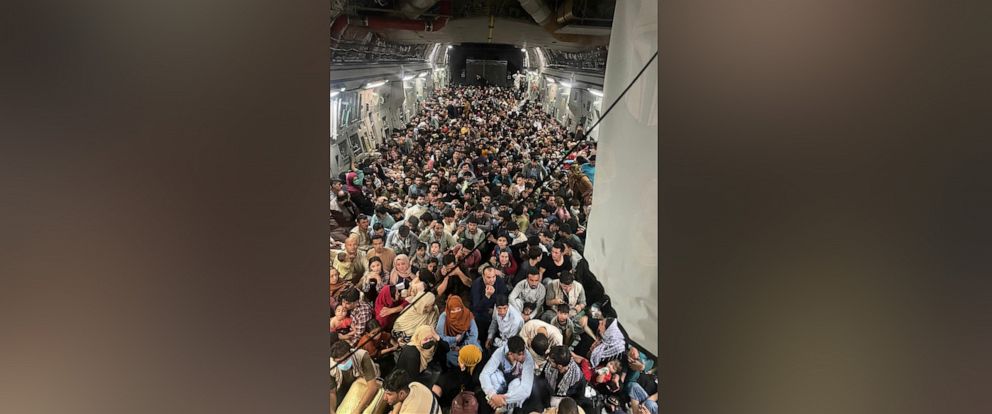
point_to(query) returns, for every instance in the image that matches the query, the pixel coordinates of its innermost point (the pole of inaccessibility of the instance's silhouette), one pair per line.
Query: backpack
(465, 403)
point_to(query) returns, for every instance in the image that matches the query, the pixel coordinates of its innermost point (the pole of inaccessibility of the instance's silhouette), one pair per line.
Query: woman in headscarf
(611, 343)
(451, 382)
(506, 263)
(338, 285)
(402, 270)
(421, 357)
(421, 312)
(457, 328)
(388, 305)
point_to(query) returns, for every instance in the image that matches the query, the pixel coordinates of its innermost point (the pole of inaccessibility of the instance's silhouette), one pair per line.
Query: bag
(465, 403)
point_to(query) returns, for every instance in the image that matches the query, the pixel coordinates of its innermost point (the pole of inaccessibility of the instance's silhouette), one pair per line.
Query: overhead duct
(565, 13)
(541, 14)
(412, 9)
(355, 27)
(337, 29)
(377, 23)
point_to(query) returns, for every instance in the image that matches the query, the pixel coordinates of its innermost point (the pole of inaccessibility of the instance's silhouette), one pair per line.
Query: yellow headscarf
(470, 356)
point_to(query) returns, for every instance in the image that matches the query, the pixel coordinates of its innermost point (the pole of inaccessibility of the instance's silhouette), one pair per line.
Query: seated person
(388, 305)
(408, 397)
(421, 312)
(549, 336)
(610, 345)
(341, 322)
(607, 380)
(353, 378)
(465, 378)
(483, 299)
(380, 345)
(563, 376)
(529, 290)
(420, 357)
(570, 331)
(565, 291)
(566, 406)
(507, 380)
(457, 328)
(641, 402)
(506, 323)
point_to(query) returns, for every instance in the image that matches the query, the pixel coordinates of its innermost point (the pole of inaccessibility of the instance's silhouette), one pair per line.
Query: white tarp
(622, 244)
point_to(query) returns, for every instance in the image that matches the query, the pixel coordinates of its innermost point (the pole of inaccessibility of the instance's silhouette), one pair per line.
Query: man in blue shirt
(508, 379)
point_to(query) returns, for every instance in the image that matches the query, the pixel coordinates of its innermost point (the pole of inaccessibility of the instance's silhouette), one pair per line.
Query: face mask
(428, 345)
(344, 366)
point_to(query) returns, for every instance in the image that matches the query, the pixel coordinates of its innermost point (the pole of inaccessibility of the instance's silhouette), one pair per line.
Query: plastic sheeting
(622, 244)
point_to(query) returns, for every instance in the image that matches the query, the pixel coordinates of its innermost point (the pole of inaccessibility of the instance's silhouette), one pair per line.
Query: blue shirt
(494, 377)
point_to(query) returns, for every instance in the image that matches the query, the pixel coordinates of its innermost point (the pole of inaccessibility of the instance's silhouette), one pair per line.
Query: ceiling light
(566, 84)
(335, 93)
(549, 79)
(597, 93)
(375, 84)
(422, 75)
(449, 46)
(406, 78)
(523, 50)
(343, 89)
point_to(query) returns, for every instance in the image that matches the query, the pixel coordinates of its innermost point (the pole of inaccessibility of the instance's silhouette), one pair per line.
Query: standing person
(580, 185)
(457, 328)
(408, 397)
(506, 323)
(507, 380)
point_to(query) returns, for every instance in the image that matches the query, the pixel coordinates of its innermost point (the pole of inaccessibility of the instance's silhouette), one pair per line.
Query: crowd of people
(457, 281)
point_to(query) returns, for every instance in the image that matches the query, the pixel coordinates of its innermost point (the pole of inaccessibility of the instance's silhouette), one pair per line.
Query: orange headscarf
(458, 319)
